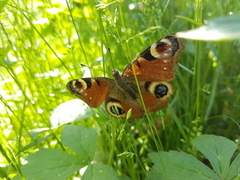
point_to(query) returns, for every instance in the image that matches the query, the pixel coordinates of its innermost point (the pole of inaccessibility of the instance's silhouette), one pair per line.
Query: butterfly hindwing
(156, 95)
(122, 98)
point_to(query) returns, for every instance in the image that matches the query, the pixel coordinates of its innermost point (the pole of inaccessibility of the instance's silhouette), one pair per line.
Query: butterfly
(142, 87)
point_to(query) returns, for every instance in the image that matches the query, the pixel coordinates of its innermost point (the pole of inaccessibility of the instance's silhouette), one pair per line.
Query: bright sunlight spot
(70, 111)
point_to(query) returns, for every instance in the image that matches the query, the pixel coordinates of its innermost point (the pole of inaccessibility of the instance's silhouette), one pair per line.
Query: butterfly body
(142, 87)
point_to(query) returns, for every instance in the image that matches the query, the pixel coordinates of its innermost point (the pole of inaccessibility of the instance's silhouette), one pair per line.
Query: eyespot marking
(158, 89)
(114, 108)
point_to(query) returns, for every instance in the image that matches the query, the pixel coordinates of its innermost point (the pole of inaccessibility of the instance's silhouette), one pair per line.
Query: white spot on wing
(166, 53)
(165, 40)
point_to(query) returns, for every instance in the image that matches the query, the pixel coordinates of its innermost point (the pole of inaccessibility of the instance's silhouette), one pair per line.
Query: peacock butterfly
(142, 87)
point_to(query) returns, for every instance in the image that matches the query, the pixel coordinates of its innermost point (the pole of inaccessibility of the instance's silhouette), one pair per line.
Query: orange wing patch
(157, 62)
(90, 90)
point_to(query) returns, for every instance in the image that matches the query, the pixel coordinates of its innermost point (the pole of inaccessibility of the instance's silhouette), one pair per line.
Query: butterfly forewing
(157, 62)
(93, 91)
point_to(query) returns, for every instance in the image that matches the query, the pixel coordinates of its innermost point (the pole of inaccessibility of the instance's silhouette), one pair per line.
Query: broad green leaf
(50, 164)
(81, 140)
(99, 171)
(35, 143)
(154, 175)
(224, 28)
(218, 150)
(174, 165)
(234, 170)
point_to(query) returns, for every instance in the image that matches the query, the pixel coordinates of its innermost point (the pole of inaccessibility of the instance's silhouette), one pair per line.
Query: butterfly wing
(93, 91)
(124, 96)
(156, 95)
(156, 63)
(153, 69)
(119, 108)
(119, 101)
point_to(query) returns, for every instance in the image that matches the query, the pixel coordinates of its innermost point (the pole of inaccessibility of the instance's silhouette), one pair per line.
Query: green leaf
(234, 170)
(99, 171)
(3, 54)
(4, 172)
(81, 140)
(224, 28)
(51, 164)
(218, 150)
(154, 175)
(35, 143)
(2, 4)
(179, 165)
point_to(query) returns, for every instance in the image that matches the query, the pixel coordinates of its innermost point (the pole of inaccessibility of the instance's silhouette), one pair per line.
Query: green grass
(40, 51)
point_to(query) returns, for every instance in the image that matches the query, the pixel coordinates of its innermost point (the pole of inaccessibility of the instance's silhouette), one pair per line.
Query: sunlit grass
(44, 45)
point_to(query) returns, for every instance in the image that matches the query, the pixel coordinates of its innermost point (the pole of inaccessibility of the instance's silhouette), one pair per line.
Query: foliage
(56, 164)
(179, 165)
(44, 44)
